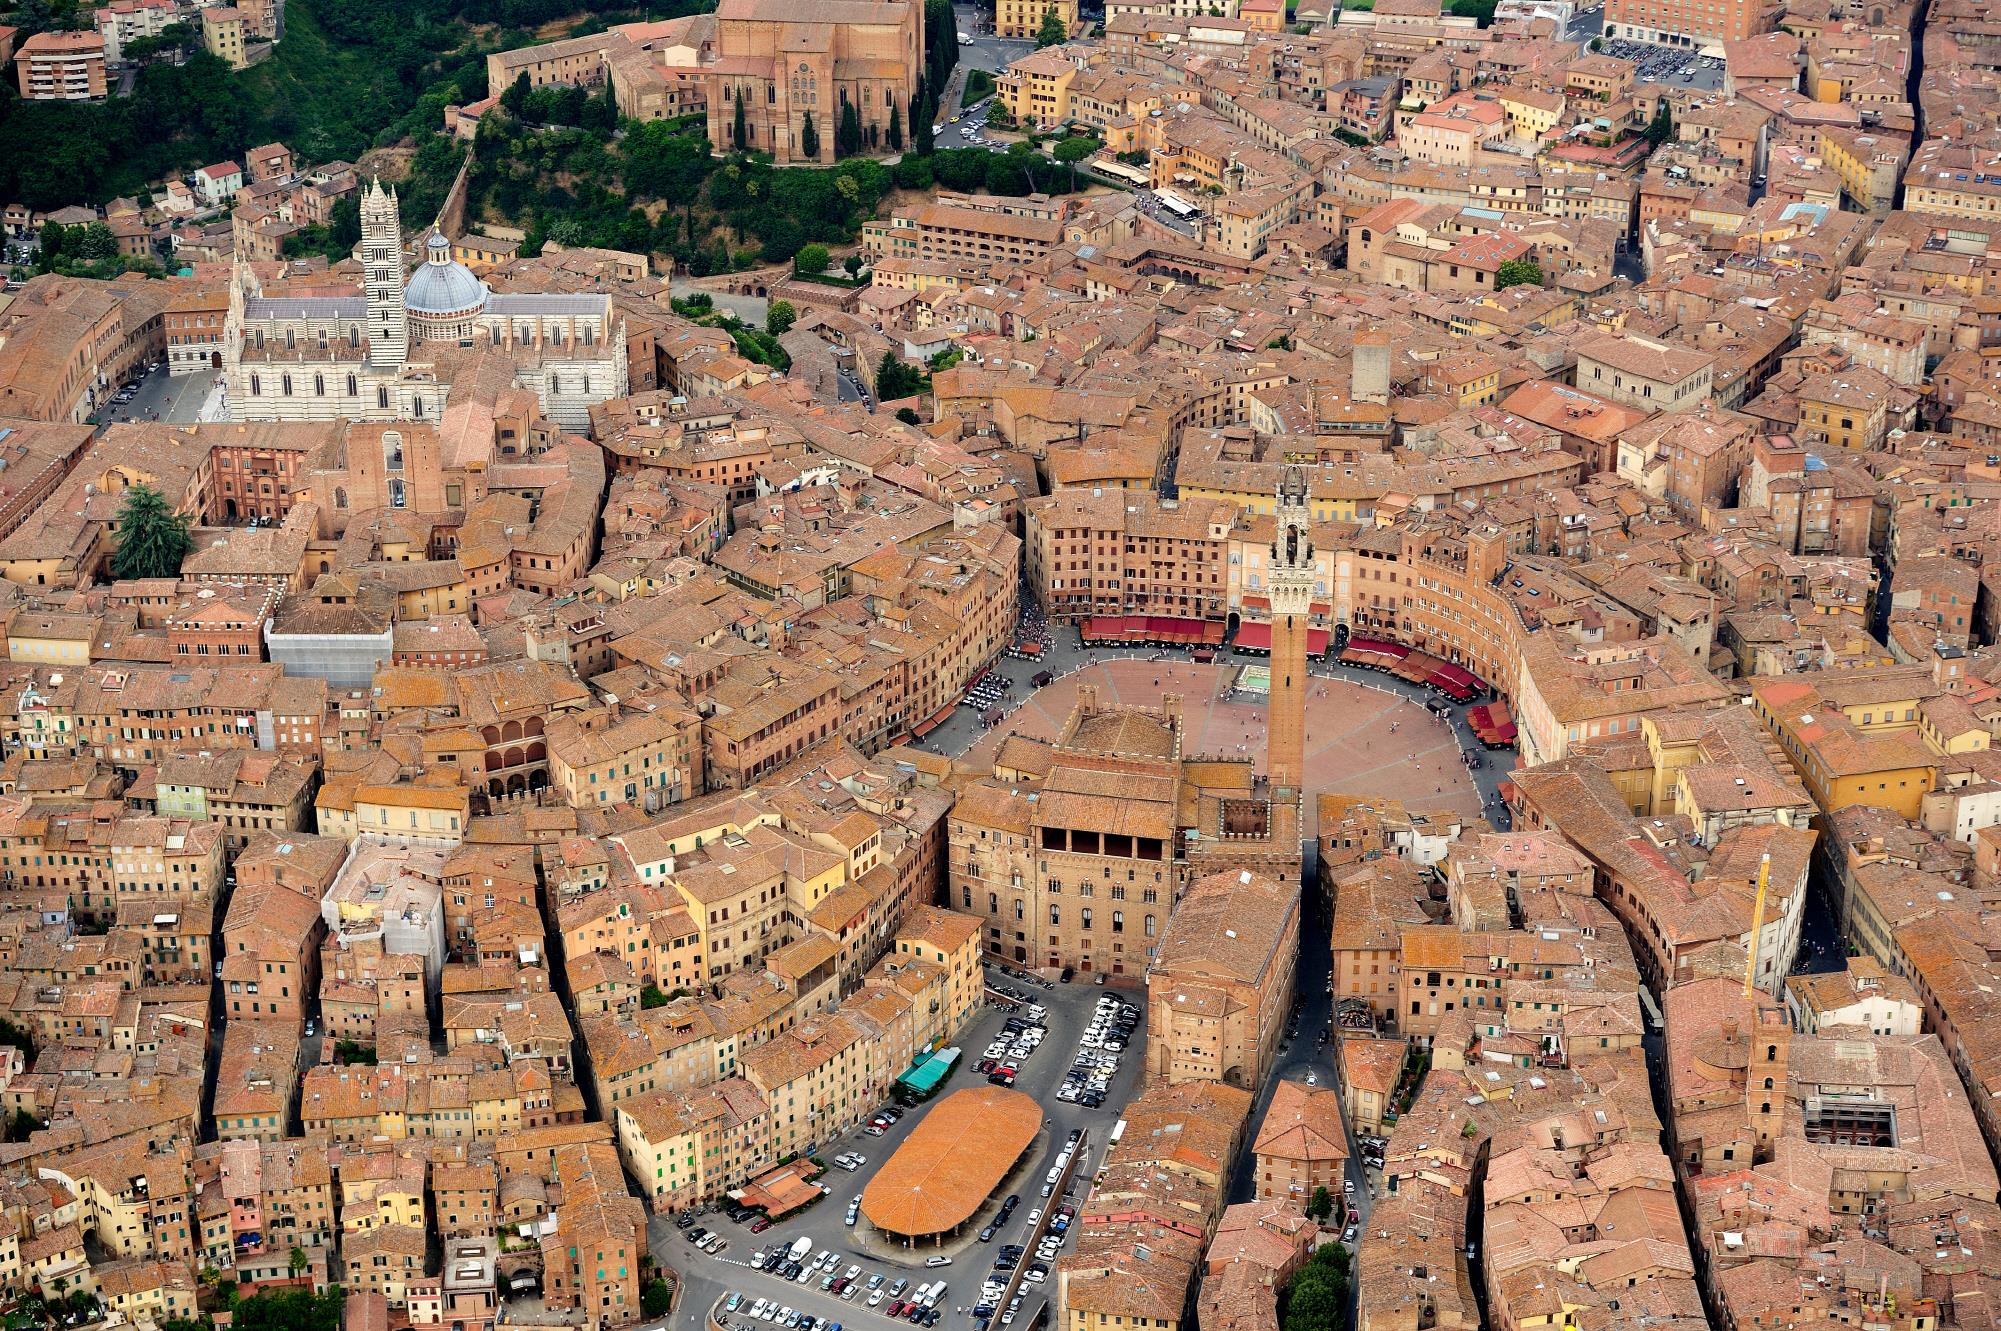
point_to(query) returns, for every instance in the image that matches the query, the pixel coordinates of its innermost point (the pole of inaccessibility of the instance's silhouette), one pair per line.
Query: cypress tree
(848, 138)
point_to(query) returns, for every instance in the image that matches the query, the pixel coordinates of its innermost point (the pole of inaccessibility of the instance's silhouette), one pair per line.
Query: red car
(759, 1225)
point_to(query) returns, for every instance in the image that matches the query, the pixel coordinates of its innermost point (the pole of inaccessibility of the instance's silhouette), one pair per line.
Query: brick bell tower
(1292, 576)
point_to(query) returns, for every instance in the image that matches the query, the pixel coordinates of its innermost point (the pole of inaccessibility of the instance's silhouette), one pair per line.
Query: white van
(800, 1247)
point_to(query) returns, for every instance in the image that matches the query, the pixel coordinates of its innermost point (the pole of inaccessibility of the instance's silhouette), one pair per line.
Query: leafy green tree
(812, 259)
(1074, 150)
(54, 240)
(908, 416)
(1315, 1304)
(779, 316)
(21, 1125)
(152, 538)
(96, 243)
(515, 100)
(656, 1298)
(173, 37)
(289, 1310)
(658, 162)
(353, 1054)
(894, 379)
(895, 126)
(297, 1262)
(1661, 128)
(600, 111)
(650, 997)
(1518, 273)
(1321, 1205)
(1053, 31)
(34, 16)
(809, 139)
(742, 128)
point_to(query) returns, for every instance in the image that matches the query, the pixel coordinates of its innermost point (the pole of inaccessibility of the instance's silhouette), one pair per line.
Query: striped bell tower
(1292, 576)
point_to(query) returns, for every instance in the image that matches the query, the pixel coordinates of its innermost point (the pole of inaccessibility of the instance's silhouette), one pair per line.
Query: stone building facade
(395, 351)
(787, 63)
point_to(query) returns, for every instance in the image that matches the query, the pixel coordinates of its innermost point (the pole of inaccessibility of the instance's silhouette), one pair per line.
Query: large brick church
(788, 60)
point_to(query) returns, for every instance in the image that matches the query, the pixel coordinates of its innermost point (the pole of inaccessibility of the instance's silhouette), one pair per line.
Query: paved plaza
(1363, 735)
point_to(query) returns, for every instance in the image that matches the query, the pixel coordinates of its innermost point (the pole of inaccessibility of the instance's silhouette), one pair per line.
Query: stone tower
(1765, 1075)
(382, 280)
(1292, 577)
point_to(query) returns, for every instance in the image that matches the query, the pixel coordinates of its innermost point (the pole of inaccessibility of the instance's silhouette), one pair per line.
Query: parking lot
(1668, 64)
(984, 50)
(158, 396)
(968, 129)
(1042, 1065)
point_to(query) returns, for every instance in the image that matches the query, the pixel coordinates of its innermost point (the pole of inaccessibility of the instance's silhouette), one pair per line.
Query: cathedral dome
(442, 285)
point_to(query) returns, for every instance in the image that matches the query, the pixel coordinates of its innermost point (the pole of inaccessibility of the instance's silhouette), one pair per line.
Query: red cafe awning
(931, 723)
(1454, 675)
(1256, 637)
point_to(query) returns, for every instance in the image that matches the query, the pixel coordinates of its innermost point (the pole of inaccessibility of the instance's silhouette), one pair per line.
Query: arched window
(319, 385)
(256, 386)
(285, 383)
(340, 496)
(353, 335)
(352, 386)
(1771, 1053)
(382, 397)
